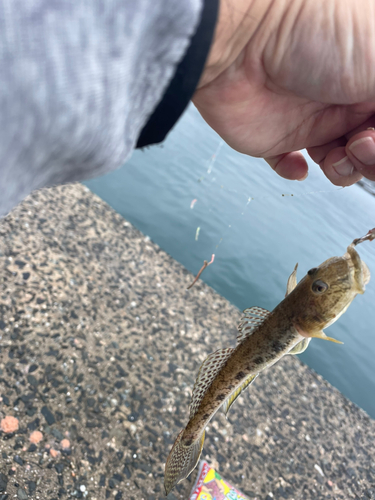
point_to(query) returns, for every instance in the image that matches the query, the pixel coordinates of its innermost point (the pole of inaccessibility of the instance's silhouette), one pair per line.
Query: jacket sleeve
(82, 82)
(184, 82)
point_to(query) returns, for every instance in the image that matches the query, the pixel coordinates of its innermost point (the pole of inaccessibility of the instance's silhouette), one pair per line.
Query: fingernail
(344, 167)
(364, 150)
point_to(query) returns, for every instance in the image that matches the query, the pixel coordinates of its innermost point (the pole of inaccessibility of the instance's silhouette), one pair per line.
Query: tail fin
(181, 461)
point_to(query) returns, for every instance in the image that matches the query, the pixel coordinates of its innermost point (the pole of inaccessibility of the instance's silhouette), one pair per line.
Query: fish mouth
(361, 271)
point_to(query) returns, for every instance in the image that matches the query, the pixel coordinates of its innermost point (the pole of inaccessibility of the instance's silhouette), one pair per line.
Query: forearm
(79, 81)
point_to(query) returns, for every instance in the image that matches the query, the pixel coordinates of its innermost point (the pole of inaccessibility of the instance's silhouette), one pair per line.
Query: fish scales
(309, 306)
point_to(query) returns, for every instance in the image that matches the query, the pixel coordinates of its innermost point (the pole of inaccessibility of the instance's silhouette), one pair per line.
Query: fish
(264, 337)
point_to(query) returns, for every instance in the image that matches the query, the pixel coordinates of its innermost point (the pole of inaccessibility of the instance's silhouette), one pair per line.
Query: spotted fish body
(318, 300)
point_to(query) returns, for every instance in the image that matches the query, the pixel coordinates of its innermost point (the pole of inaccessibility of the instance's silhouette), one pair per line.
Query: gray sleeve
(79, 79)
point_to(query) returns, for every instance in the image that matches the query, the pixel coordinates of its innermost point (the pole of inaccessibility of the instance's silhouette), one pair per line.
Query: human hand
(287, 75)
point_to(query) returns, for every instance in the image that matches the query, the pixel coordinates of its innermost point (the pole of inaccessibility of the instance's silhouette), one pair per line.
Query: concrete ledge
(100, 344)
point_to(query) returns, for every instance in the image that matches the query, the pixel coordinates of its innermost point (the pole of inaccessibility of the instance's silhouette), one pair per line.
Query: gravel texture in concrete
(100, 344)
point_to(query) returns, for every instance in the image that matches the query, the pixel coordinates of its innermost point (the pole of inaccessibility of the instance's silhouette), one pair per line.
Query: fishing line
(214, 156)
(249, 199)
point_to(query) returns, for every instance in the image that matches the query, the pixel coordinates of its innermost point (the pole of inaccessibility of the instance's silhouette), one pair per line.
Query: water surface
(258, 226)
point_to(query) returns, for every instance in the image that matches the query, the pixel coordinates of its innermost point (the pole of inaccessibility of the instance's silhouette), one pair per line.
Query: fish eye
(319, 286)
(312, 271)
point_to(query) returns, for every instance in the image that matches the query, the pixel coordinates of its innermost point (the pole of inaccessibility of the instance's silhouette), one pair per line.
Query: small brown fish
(316, 302)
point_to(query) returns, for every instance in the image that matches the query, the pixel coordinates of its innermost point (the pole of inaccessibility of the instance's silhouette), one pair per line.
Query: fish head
(326, 292)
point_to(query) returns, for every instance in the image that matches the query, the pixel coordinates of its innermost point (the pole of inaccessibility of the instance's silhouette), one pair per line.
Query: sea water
(194, 196)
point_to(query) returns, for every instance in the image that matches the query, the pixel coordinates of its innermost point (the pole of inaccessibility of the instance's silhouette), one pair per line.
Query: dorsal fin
(292, 281)
(251, 319)
(301, 346)
(207, 372)
(232, 398)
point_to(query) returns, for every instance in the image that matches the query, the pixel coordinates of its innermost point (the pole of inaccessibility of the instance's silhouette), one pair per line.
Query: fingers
(319, 153)
(347, 159)
(333, 161)
(339, 169)
(345, 165)
(291, 166)
(344, 161)
(361, 152)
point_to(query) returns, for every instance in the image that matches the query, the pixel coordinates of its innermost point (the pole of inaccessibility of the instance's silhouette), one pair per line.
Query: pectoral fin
(322, 335)
(301, 346)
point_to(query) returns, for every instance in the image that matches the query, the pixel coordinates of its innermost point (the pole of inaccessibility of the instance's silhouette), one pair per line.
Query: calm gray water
(258, 226)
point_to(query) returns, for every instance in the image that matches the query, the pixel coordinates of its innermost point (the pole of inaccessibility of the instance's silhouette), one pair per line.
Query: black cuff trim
(184, 82)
